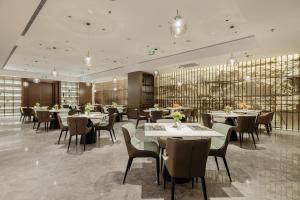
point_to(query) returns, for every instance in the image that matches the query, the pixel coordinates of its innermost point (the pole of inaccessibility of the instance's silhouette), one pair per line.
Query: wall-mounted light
(25, 84)
(36, 80)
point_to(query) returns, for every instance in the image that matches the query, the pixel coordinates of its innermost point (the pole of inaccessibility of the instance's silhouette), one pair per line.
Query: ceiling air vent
(188, 65)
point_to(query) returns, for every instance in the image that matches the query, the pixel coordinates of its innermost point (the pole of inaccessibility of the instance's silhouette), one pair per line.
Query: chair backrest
(112, 120)
(27, 111)
(21, 110)
(165, 121)
(246, 123)
(194, 112)
(72, 112)
(187, 158)
(77, 125)
(129, 132)
(61, 124)
(43, 115)
(222, 142)
(187, 113)
(112, 111)
(266, 118)
(207, 120)
(156, 114)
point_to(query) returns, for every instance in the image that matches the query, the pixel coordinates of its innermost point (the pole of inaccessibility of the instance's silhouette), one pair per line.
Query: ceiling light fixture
(179, 83)
(178, 26)
(88, 84)
(36, 80)
(88, 60)
(232, 61)
(115, 88)
(25, 84)
(115, 80)
(54, 72)
(156, 73)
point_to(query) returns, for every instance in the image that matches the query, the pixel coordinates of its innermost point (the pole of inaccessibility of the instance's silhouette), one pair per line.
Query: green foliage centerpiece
(88, 108)
(56, 107)
(156, 106)
(37, 105)
(114, 104)
(177, 116)
(228, 109)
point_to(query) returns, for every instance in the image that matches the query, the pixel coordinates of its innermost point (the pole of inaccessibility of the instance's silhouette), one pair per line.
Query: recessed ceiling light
(88, 23)
(36, 61)
(188, 41)
(114, 61)
(103, 29)
(226, 20)
(272, 29)
(54, 47)
(109, 12)
(69, 16)
(235, 32)
(231, 27)
(128, 38)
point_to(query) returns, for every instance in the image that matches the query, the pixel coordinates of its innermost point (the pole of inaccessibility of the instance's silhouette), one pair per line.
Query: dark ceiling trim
(10, 54)
(201, 48)
(34, 15)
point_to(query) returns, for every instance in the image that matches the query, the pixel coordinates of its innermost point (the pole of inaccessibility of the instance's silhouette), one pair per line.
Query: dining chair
(246, 124)
(72, 111)
(186, 159)
(194, 114)
(78, 126)
(139, 117)
(63, 127)
(21, 113)
(27, 113)
(155, 115)
(265, 119)
(43, 116)
(138, 149)
(207, 120)
(187, 115)
(107, 126)
(162, 141)
(124, 113)
(218, 147)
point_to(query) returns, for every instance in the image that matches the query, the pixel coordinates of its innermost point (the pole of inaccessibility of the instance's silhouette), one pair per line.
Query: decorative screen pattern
(268, 84)
(69, 93)
(10, 96)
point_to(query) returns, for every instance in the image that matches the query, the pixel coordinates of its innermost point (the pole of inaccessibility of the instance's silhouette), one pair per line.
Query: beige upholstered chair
(78, 126)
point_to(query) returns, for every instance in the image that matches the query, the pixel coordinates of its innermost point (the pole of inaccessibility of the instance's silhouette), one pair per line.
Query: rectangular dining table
(186, 130)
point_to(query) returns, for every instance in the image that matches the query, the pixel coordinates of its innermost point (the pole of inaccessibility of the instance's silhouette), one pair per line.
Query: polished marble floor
(33, 166)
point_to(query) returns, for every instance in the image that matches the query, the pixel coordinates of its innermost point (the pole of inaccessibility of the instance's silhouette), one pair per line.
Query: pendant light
(88, 60)
(232, 61)
(25, 84)
(155, 73)
(115, 79)
(88, 84)
(54, 72)
(36, 80)
(178, 26)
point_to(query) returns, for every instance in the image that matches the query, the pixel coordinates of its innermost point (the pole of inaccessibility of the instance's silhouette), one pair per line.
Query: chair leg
(112, 139)
(165, 176)
(204, 188)
(161, 158)
(216, 159)
(69, 142)
(267, 127)
(45, 126)
(157, 169)
(127, 168)
(59, 136)
(270, 125)
(193, 183)
(173, 188)
(240, 137)
(84, 142)
(76, 139)
(227, 169)
(253, 139)
(113, 131)
(38, 126)
(256, 134)
(66, 135)
(33, 125)
(137, 123)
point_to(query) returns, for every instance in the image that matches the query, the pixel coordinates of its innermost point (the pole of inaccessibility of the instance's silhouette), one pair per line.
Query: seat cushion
(145, 146)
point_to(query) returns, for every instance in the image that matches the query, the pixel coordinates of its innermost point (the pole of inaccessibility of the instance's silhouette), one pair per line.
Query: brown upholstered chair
(207, 120)
(194, 115)
(112, 111)
(162, 142)
(155, 115)
(72, 111)
(125, 112)
(43, 116)
(186, 159)
(218, 147)
(138, 149)
(108, 126)
(265, 119)
(21, 113)
(27, 113)
(246, 124)
(78, 126)
(187, 115)
(63, 128)
(139, 117)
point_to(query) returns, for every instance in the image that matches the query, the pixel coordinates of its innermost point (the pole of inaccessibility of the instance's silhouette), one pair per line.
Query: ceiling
(118, 34)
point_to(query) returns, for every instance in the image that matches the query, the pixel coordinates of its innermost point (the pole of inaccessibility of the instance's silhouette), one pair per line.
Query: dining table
(184, 130)
(93, 118)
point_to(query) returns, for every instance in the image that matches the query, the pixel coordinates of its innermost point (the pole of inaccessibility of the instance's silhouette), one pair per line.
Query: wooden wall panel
(85, 93)
(106, 95)
(46, 93)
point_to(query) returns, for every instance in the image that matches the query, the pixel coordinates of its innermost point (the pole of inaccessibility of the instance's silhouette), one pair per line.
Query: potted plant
(156, 106)
(177, 117)
(37, 105)
(56, 107)
(114, 104)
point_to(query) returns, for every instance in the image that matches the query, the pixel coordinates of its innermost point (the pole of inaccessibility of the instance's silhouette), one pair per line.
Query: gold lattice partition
(267, 84)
